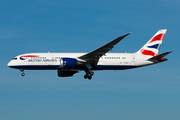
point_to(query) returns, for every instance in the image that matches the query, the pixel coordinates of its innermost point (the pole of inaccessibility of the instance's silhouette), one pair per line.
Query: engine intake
(68, 63)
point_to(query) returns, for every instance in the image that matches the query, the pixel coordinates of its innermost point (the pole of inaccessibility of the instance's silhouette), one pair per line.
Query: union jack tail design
(152, 46)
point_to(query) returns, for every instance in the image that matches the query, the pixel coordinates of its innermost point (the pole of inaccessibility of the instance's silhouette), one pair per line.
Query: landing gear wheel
(89, 77)
(22, 74)
(22, 70)
(88, 74)
(85, 76)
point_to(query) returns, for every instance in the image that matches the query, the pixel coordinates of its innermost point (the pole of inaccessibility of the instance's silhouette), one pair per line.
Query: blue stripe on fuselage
(114, 67)
(36, 67)
(55, 67)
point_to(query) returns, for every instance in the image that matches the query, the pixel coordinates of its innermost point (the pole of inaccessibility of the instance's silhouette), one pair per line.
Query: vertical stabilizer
(152, 46)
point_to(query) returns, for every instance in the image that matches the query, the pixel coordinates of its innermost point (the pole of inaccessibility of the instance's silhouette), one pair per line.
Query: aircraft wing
(93, 57)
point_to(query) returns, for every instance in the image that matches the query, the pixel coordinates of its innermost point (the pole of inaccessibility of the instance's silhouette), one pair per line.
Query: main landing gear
(22, 70)
(88, 75)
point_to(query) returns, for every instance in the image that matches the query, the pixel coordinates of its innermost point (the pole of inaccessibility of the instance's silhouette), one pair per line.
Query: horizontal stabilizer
(160, 57)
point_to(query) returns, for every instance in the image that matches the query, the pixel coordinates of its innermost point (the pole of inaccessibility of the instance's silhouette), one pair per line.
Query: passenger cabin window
(57, 57)
(113, 57)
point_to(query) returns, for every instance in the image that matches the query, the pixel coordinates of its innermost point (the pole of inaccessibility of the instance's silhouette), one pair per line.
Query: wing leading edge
(93, 56)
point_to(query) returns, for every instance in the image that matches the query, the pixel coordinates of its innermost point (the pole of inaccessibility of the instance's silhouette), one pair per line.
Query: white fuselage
(67, 64)
(110, 61)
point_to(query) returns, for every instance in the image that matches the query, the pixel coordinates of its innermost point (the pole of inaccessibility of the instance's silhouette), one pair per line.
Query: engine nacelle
(68, 63)
(62, 73)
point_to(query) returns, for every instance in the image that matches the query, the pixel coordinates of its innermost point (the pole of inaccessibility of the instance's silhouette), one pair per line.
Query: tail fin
(152, 46)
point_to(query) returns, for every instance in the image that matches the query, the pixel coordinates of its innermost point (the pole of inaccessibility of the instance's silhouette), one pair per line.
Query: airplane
(67, 64)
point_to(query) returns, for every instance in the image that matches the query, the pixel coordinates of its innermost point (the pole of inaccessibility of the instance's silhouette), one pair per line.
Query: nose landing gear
(23, 74)
(22, 70)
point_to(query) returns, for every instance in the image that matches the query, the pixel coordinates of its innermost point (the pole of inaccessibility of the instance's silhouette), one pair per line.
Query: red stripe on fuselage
(157, 38)
(29, 56)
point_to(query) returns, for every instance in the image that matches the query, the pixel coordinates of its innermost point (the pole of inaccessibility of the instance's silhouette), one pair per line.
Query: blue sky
(150, 93)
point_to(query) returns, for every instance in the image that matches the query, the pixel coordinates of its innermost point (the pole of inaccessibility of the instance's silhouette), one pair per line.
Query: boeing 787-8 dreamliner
(67, 64)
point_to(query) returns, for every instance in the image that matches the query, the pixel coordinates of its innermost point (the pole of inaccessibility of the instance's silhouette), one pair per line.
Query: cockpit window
(14, 58)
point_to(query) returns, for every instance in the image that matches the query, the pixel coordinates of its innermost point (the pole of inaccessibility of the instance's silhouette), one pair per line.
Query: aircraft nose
(9, 64)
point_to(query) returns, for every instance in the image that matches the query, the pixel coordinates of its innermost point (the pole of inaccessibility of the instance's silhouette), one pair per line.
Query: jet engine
(66, 73)
(68, 63)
